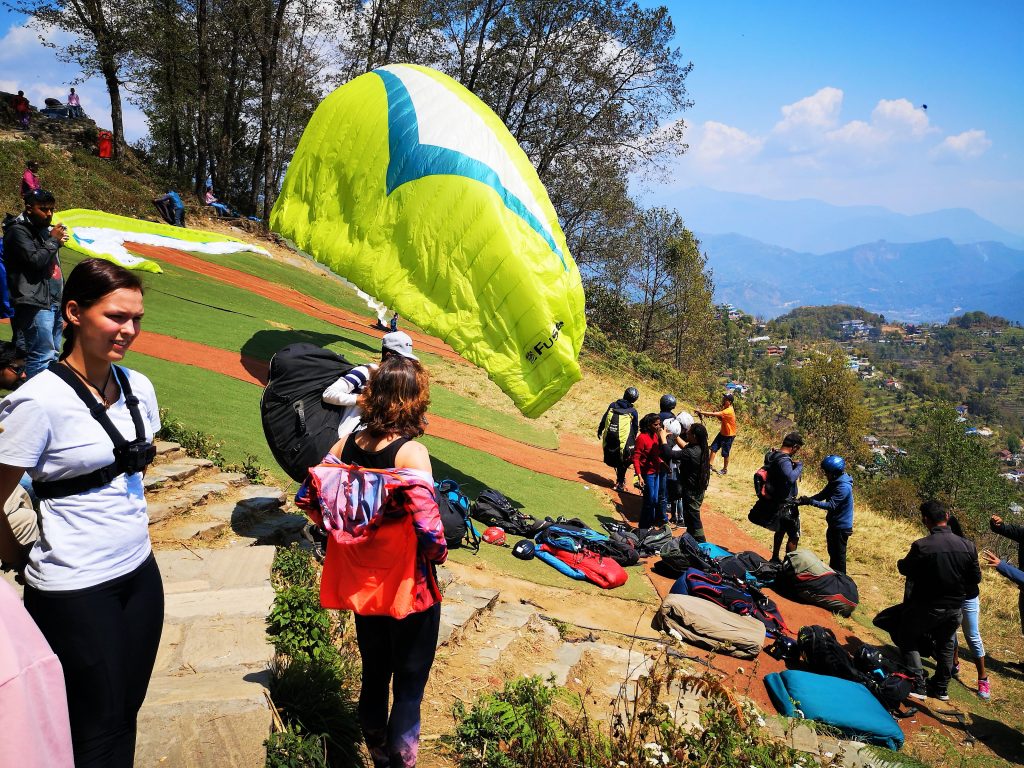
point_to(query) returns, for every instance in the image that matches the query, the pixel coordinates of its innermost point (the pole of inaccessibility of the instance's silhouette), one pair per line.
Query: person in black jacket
(778, 511)
(942, 569)
(1013, 533)
(35, 280)
(618, 444)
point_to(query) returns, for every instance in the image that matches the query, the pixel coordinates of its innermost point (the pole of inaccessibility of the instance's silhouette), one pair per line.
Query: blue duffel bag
(843, 704)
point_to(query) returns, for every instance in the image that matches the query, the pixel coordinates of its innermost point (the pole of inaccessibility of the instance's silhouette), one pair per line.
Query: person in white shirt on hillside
(83, 430)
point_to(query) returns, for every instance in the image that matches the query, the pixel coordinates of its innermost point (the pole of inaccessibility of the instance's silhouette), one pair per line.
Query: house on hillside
(758, 339)
(776, 350)
(871, 440)
(893, 384)
(984, 432)
(962, 410)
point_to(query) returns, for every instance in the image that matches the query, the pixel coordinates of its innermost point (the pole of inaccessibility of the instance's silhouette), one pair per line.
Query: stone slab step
(163, 447)
(461, 604)
(500, 625)
(261, 498)
(176, 471)
(213, 569)
(211, 643)
(230, 478)
(237, 601)
(196, 721)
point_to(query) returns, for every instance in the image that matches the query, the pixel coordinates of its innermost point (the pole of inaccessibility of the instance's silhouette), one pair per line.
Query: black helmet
(631, 395)
(868, 658)
(524, 549)
(668, 402)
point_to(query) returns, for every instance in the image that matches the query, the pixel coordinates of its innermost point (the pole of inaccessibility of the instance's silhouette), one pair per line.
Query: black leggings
(396, 653)
(106, 638)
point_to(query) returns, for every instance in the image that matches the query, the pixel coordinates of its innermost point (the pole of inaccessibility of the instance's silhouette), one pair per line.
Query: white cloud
(963, 146)
(820, 111)
(901, 118)
(719, 142)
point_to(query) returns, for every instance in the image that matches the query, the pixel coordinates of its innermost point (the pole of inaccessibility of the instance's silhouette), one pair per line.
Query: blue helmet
(833, 465)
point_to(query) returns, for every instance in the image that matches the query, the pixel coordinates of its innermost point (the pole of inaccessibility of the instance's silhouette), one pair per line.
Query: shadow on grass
(1004, 668)
(263, 345)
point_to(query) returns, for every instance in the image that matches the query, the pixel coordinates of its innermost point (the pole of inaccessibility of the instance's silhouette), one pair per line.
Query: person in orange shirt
(726, 433)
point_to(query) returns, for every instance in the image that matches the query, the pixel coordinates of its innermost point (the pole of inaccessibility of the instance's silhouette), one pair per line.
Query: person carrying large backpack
(617, 432)
(836, 498)
(776, 507)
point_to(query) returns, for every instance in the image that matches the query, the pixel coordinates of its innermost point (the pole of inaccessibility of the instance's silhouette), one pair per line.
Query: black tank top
(383, 459)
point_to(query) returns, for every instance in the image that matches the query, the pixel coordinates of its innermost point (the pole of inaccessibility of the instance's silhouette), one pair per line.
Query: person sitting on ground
(726, 433)
(694, 476)
(972, 632)
(836, 498)
(35, 279)
(942, 569)
(84, 431)
(74, 105)
(345, 391)
(649, 466)
(29, 179)
(211, 200)
(777, 511)
(1013, 532)
(618, 445)
(1016, 575)
(398, 653)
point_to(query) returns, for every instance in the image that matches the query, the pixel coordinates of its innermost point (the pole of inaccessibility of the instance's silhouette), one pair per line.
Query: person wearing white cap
(346, 390)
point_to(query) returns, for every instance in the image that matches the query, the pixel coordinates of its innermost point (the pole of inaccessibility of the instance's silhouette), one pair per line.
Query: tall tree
(103, 39)
(829, 404)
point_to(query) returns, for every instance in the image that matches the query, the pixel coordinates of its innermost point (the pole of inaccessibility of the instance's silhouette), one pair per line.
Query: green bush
(291, 748)
(316, 699)
(294, 566)
(192, 441)
(533, 724)
(300, 628)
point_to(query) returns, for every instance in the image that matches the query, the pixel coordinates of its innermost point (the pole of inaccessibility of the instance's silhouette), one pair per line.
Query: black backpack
(684, 552)
(621, 549)
(453, 505)
(491, 508)
(821, 653)
(299, 426)
(618, 440)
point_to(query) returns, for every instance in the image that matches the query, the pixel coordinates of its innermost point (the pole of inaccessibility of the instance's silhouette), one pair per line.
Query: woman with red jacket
(647, 463)
(396, 633)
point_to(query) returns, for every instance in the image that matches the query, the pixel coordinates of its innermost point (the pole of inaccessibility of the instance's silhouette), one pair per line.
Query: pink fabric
(34, 725)
(73, 100)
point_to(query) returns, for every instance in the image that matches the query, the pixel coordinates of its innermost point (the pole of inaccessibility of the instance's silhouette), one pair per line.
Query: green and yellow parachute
(408, 185)
(103, 235)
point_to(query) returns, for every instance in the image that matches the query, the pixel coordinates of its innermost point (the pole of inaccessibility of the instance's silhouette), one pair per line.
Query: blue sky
(822, 100)
(798, 100)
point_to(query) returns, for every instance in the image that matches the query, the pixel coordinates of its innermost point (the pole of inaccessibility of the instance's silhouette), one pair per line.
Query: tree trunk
(109, 71)
(203, 98)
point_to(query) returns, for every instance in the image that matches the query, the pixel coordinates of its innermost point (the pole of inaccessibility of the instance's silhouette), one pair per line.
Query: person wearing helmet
(617, 433)
(836, 498)
(726, 432)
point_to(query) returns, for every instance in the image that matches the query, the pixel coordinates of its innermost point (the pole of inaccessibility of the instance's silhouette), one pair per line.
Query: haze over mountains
(769, 256)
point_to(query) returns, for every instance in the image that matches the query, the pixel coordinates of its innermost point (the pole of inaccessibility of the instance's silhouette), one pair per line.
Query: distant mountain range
(919, 281)
(814, 226)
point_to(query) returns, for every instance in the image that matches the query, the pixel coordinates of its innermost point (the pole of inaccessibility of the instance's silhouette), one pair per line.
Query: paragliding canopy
(408, 185)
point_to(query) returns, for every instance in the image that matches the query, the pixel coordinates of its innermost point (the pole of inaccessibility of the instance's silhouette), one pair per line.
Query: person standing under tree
(726, 432)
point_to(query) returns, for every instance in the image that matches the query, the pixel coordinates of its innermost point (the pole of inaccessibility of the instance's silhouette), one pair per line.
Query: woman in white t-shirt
(91, 582)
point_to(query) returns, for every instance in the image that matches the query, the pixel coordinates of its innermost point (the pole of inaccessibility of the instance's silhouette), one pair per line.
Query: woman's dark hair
(647, 421)
(89, 282)
(955, 527)
(699, 435)
(396, 398)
